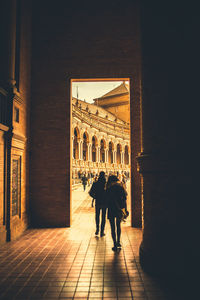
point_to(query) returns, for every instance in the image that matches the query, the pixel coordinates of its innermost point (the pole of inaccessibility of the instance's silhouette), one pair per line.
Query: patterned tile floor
(73, 263)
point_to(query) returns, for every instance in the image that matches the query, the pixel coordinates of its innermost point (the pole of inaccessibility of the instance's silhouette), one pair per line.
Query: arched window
(126, 156)
(110, 152)
(102, 151)
(94, 151)
(75, 144)
(85, 146)
(119, 148)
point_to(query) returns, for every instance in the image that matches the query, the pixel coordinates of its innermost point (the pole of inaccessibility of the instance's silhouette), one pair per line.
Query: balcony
(81, 164)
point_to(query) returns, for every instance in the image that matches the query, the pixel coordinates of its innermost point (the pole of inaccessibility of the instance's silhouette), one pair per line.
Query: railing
(3, 109)
(90, 164)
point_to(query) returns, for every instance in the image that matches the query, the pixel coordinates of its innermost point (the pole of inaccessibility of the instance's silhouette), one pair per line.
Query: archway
(102, 150)
(94, 148)
(110, 152)
(85, 146)
(126, 155)
(75, 143)
(119, 149)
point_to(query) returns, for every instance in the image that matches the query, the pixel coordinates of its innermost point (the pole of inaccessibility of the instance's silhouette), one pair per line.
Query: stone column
(80, 149)
(72, 150)
(114, 156)
(122, 157)
(12, 44)
(163, 164)
(98, 154)
(11, 88)
(89, 152)
(106, 155)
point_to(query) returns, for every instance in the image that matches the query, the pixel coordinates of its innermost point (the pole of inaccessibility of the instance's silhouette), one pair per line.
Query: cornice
(3, 127)
(114, 104)
(18, 141)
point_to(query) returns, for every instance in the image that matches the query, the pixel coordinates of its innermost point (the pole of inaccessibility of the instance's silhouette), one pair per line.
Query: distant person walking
(84, 181)
(116, 200)
(97, 192)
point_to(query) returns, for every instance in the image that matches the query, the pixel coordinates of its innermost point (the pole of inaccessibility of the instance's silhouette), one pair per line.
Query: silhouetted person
(97, 191)
(84, 181)
(116, 200)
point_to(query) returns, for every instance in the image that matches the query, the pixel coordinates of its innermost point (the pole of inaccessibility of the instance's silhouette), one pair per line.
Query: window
(16, 114)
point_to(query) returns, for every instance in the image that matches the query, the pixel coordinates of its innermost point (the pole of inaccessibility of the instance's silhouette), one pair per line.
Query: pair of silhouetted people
(112, 196)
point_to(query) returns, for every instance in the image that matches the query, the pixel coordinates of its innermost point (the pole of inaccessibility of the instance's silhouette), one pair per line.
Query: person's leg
(97, 213)
(103, 220)
(113, 234)
(118, 222)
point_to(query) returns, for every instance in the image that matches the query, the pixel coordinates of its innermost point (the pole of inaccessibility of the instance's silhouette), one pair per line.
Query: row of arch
(98, 151)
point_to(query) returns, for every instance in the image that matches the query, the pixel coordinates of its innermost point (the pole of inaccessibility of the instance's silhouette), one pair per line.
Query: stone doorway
(100, 134)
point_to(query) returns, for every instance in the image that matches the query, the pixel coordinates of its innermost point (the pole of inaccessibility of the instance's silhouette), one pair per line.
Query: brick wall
(75, 41)
(12, 224)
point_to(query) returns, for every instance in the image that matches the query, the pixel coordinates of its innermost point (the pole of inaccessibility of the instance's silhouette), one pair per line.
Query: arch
(75, 143)
(94, 148)
(110, 152)
(119, 150)
(111, 145)
(86, 136)
(126, 155)
(102, 150)
(77, 132)
(85, 145)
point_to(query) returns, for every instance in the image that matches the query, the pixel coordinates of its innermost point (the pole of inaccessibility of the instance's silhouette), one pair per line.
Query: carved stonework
(16, 179)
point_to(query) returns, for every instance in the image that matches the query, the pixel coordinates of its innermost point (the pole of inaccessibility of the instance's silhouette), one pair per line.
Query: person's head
(102, 174)
(113, 178)
(102, 177)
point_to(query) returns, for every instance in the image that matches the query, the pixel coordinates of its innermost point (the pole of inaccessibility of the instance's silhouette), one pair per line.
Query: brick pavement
(73, 263)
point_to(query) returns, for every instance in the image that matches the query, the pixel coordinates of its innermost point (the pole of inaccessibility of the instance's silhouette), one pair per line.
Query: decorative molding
(18, 141)
(114, 104)
(18, 99)
(3, 127)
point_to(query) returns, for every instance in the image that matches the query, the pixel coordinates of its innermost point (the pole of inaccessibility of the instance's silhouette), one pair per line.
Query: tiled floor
(72, 263)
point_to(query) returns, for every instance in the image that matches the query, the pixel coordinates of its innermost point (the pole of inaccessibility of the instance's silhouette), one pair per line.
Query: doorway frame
(135, 143)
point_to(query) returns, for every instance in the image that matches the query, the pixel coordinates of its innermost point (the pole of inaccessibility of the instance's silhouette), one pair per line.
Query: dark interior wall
(168, 33)
(75, 40)
(4, 7)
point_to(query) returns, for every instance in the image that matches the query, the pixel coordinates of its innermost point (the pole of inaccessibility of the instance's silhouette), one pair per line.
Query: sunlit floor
(73, 263)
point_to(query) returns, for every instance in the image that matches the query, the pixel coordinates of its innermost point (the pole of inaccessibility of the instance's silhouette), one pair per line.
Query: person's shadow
(115, 272)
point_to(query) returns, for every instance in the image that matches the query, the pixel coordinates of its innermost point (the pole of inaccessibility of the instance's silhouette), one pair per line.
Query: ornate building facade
(100, 140)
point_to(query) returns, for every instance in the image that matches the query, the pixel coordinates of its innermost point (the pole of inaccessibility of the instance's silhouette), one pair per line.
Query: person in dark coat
(84, 181)
(97, 192)
(116, 199)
